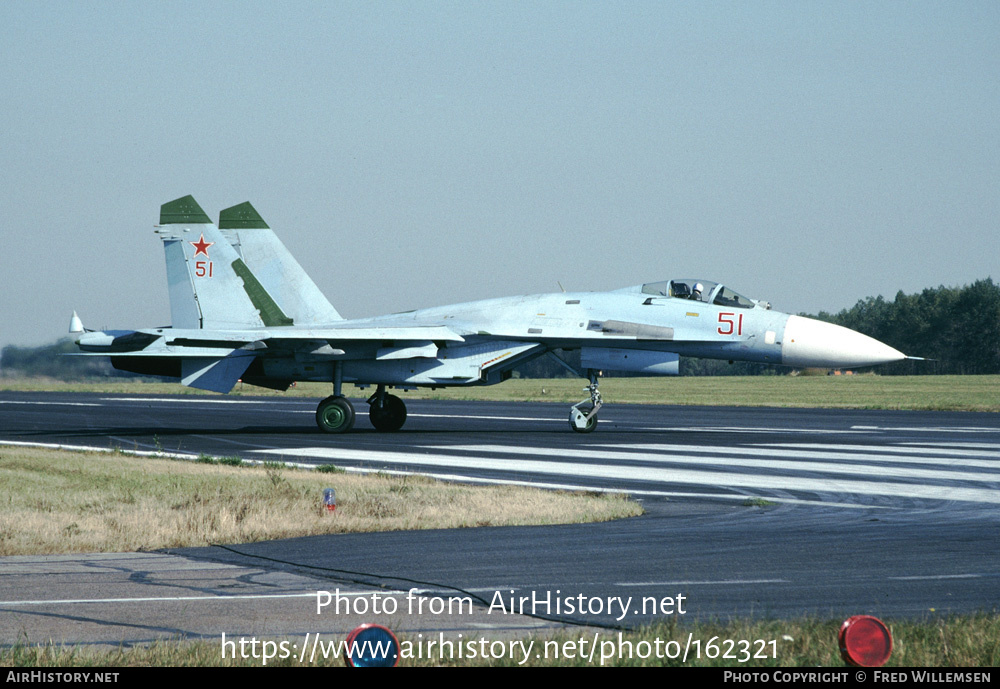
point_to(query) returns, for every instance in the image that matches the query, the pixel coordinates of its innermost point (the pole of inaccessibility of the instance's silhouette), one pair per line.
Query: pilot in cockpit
(680, 290)
(696, 292)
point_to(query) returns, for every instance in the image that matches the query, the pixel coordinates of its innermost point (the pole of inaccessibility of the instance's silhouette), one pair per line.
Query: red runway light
(865, 641)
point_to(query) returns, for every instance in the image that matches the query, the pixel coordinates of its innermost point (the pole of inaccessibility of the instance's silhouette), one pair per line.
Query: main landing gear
(387, 412)
(335, 414)
(583, 417)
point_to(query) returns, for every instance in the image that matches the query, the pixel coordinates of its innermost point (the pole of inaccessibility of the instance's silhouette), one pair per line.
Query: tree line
(49, 360)
(958, 327)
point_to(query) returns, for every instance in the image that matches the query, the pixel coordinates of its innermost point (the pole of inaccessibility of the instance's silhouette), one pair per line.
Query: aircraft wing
(291, 336)
(216, 360)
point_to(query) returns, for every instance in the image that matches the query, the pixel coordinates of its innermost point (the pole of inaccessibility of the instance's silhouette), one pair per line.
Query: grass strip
(68, 502)
(943, 393)
(966, 641)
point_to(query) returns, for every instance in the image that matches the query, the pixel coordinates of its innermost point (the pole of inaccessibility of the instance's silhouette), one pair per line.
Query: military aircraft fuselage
(243, 309)
(655, 328)
(624, 318)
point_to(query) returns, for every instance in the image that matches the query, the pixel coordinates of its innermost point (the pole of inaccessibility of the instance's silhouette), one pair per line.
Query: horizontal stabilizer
(217, 375)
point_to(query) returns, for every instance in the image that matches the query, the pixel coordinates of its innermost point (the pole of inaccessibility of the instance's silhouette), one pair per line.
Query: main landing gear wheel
(387, 414)
(335, 415)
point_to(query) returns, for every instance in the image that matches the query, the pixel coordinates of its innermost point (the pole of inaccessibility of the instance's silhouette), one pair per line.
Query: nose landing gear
(583, 417)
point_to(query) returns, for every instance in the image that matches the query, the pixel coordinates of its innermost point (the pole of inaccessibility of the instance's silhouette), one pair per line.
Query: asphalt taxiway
(771, 513)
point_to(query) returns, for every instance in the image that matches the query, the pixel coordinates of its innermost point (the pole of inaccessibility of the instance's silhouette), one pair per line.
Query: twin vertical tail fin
(238, 275)
(206, 290)
(275, 267)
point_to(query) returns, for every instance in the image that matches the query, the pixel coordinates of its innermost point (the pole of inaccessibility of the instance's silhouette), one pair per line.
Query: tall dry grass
(64, 502)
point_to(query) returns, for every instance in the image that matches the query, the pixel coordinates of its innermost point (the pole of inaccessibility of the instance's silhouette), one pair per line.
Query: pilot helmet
(699, 288)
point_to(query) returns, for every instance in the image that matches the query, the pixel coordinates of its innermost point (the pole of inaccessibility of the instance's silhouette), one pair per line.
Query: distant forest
(49, 361)
(957, 327)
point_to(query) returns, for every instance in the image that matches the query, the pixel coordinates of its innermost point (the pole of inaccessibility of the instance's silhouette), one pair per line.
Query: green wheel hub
(335, 415)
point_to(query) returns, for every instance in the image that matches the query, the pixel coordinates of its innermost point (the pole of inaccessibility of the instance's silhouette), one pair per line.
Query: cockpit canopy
(699, 290)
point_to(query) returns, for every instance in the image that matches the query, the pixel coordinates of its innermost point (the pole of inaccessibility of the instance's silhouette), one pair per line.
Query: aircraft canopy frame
(704, 291)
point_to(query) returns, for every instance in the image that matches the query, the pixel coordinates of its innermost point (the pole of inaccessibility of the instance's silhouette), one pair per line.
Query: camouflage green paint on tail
(183, 210)
(270, 312)
(242, 217)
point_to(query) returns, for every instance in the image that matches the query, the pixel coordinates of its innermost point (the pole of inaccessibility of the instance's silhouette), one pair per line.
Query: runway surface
(750, 511)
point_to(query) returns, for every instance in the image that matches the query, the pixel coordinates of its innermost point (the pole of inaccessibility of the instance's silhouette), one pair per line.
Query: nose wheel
(583, 416)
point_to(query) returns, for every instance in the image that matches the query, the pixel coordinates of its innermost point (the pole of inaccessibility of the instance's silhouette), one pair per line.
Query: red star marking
(201, 246)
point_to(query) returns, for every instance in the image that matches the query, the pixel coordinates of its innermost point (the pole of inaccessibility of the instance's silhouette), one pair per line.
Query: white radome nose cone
(808, 342)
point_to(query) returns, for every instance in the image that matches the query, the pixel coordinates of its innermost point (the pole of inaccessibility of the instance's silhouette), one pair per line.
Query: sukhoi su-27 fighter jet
(242, 308)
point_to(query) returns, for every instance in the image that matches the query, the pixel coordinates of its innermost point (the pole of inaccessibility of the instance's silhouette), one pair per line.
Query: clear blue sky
(415, 154)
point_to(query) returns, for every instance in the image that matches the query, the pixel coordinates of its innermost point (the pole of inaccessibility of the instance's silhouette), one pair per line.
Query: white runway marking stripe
(483, 417)
(764, 463)
(193, 399)
(53, 404)
(931, 429)
(196, 399)
(671, 475)
(753, 430)
(974, 446)
(728, 582)
(455, 477)
(552, 486)
(931, 577)
(907, 450)
(806, 460)
(88, 448)
(174, 599)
